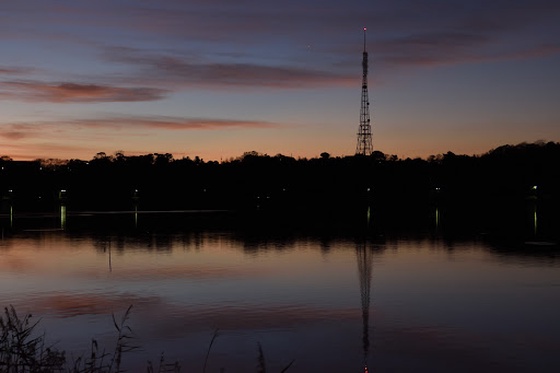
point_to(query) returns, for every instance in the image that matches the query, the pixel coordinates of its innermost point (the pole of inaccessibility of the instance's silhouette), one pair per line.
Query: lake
(328, 298)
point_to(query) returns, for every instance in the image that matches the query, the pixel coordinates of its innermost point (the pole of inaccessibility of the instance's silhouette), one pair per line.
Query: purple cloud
(183, 72)
(20, 131)
(36, 91)
(11, 70)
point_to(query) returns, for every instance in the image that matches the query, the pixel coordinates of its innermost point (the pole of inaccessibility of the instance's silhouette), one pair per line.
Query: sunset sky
(216, 78)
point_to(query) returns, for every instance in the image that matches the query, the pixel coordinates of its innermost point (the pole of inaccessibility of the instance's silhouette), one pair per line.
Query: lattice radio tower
(364, 145)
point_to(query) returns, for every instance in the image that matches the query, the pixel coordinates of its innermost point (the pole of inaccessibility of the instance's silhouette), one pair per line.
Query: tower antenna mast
(364, 144)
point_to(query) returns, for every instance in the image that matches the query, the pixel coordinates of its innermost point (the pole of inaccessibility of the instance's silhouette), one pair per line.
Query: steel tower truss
(364, 145)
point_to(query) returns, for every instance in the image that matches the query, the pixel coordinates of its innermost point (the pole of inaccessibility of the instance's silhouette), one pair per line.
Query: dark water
(329, 297)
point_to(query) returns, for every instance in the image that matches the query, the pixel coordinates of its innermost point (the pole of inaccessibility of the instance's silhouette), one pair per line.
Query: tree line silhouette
(507, 175)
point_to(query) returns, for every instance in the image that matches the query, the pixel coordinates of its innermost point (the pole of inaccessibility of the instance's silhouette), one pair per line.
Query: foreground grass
(21, 351)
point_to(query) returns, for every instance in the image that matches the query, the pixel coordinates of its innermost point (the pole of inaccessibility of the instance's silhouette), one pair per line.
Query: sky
(217, 78)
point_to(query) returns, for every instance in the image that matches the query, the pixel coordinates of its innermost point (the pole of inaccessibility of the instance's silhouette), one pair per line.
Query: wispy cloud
(171, 123)
(20, 131)
(37, 129)
(451, 49)
(182, 72)
(160, 122)
(427, 49)
(67, 92)
(542, 50)
(14, 70)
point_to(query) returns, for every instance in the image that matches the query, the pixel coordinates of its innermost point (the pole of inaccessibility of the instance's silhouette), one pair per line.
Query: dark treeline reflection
(265, 231)
(467, 189)
(114, 240)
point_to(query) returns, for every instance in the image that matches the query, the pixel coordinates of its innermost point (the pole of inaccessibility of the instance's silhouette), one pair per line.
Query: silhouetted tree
(327, 183)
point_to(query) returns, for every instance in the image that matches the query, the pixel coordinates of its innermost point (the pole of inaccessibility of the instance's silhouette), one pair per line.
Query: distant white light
(365, 28)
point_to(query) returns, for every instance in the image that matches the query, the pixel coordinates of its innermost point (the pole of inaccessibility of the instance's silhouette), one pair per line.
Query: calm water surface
(415, 302)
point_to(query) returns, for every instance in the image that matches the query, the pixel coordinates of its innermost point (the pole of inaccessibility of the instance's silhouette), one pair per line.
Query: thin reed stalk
(23, 352)
(214, 336)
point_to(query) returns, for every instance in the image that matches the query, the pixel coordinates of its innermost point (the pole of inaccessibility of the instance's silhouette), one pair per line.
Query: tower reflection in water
(365, 266)
(364, 258)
